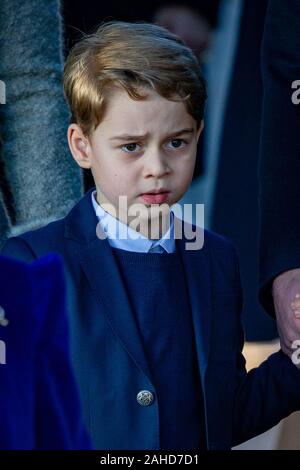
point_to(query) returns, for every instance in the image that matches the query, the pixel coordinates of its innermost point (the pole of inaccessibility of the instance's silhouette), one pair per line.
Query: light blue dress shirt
(120, 235)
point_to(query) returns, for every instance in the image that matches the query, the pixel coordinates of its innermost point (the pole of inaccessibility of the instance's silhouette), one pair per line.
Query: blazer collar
(81, 222)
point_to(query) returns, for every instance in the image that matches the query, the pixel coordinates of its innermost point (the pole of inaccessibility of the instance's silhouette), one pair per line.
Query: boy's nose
(156, 165)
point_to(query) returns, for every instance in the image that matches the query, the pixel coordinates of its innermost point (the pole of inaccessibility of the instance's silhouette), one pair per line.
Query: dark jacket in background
(279, 169)
(235, 210)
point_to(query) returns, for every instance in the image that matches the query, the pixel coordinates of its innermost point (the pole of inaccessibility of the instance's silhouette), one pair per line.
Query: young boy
(156, 337)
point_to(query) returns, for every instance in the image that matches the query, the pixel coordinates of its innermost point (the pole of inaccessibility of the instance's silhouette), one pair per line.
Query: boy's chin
(151, 221)
(153, 229)
(155, 224)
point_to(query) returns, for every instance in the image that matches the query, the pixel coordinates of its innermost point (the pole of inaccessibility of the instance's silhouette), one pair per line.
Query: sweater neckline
(148, 259)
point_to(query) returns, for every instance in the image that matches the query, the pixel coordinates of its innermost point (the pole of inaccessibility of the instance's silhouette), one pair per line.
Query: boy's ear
(79, 146)
(199, 131)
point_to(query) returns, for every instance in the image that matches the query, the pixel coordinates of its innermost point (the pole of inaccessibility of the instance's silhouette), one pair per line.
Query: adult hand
(286, 286)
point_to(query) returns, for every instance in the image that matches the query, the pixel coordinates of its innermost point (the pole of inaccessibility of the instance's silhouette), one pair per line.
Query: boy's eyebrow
(138, 137)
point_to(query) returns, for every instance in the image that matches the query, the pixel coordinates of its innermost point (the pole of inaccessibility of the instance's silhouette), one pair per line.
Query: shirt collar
(122, 236)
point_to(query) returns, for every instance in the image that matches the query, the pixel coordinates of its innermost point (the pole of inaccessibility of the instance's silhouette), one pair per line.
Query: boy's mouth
(156, 196)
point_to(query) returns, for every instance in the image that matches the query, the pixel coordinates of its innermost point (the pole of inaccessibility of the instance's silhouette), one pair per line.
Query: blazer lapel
(198, 270)
(98, 263)
(198, 276)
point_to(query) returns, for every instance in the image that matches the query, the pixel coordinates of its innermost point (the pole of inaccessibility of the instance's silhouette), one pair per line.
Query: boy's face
(139, 147)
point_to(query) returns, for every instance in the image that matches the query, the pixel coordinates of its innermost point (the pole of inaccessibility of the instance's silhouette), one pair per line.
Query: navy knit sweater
(157, 292)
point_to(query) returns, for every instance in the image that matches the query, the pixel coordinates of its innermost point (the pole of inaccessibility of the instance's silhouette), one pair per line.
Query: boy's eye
(130, 148)
(177, 142)
(133, 146)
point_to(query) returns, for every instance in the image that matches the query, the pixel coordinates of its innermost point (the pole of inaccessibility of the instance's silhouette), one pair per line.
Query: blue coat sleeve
(17, 248)
(59, 421)
(37, 383)
(264, 395)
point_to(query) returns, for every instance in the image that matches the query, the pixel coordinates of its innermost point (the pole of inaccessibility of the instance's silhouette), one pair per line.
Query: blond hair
(130, 56)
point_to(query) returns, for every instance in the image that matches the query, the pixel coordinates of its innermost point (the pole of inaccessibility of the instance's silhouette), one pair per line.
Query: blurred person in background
(39, 401)
(34, 189)
(279, 171)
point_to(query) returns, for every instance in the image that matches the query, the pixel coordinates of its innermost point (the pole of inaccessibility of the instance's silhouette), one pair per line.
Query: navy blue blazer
(108, 356)
(39, 402)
